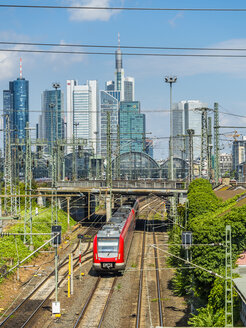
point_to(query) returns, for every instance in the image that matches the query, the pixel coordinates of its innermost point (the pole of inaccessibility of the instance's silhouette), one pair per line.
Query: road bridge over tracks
(88, 189)
(124, 187)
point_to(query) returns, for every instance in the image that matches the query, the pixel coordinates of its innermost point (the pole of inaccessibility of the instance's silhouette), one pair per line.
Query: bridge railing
(130, 184)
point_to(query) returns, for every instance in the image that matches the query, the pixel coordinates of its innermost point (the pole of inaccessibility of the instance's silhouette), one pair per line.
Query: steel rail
(141, 282)
(86, 303)
(107, 303)
(62, 264)
(53, 290)
(158, 282)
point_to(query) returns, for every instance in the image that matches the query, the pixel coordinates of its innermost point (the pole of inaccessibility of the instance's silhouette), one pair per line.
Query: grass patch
(41, 223)
(156, 299)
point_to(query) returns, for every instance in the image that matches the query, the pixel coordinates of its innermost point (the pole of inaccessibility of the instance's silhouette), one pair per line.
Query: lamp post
(171, 80)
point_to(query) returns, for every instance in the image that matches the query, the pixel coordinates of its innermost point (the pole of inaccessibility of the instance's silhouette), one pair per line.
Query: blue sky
(207, 79)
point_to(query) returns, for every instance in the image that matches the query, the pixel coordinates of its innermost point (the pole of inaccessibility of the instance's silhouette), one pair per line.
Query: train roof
(116, 223)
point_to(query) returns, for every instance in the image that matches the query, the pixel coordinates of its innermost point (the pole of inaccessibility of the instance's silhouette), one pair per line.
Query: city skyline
(210, 80)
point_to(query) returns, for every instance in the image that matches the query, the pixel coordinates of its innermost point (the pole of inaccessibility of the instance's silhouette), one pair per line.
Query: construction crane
(235, 135)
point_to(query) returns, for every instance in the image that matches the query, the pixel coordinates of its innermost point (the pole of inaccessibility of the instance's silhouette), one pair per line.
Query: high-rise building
(51, 121)
(193, 121)
(186, 116)
(16, 105)
(178, 129)
(125, 116)
(109, 104)
(129, 89)
(119, 73)
(110, 86)
(132, 127)
(238, 152)
(82, 112)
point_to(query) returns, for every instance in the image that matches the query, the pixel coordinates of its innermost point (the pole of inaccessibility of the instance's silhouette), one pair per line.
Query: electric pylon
(210, 147)
(190, 134)
(228, 280)
(8, 176)
(204, 142)
(216, 143)
(28, 183)
(109, 153)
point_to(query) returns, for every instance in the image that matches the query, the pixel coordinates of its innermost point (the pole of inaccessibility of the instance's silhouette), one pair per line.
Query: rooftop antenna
(119, 40)
(21, 68)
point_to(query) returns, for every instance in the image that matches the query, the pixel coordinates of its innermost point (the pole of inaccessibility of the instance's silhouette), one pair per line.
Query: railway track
(143, 287)
(22, 314)
(95, 308)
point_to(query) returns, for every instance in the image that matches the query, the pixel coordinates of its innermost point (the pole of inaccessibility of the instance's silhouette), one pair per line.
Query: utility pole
(228, 281)
(109, 168)
(210, 147)
(118, 153)
(191, 154)
(74, 161)
(171, 80)
(28, 182)
(109, 153)
(216, 143)
(8, 178)
(56, 86)
(204, 142)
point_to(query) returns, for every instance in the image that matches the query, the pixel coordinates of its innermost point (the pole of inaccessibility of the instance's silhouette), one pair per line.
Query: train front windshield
(108, 246)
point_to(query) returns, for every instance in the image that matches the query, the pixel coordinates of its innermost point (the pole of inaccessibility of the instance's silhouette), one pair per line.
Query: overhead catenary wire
(76, 45)
(122, 8)
(125, 53)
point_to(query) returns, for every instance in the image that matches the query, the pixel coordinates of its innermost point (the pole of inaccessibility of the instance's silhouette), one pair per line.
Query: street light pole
(171, 80)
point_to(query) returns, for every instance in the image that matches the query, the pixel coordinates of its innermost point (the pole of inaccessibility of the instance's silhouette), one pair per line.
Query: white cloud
(92, 14)
(189, 66)
(61, 60)
(173, 21)
(9, 61)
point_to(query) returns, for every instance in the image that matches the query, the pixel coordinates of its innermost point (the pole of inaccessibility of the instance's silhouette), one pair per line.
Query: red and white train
(112, 243)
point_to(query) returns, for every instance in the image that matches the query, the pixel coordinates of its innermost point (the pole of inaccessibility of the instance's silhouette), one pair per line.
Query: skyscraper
(132, 127)
(129, 89)
(193, 121)
(119, 73)
(118, 100)
(51, 121)
(16, 105)
(185, 116)
(109, 104)
(82, 112)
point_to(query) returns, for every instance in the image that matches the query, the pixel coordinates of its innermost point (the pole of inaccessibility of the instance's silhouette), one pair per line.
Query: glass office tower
(132, 127)
(16, 105)
(52, 118)
(109, 104)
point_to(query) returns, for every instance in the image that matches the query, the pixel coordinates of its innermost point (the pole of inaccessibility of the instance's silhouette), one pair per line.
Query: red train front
(112, 243)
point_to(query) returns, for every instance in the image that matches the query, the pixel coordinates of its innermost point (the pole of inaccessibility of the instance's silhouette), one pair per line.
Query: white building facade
(186, 116)
(83, 112)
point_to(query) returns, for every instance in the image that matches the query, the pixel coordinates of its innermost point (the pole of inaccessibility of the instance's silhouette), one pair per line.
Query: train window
(106, 245)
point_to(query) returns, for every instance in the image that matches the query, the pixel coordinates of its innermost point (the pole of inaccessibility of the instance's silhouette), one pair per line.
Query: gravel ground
(122, 308)
(175, 309)
(70, 307)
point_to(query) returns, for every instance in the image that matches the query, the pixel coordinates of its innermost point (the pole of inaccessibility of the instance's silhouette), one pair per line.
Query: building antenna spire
(119, 40)
(20, 68)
